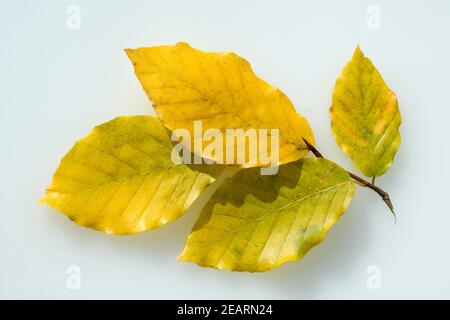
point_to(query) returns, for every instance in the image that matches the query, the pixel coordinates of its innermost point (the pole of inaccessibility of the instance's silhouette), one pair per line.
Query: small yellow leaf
(120, 178)
(365, 117)
(255, 223)
(221, 90)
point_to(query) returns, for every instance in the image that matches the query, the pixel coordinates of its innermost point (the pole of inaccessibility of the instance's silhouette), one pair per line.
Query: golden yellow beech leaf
(220, 90)
(121, 179)
(255, 223)
(365, 117)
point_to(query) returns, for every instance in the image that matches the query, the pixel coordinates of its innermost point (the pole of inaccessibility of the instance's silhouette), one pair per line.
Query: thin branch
(384, 195)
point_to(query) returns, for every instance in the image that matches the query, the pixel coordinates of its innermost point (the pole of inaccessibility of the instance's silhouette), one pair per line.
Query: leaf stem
(383, 194)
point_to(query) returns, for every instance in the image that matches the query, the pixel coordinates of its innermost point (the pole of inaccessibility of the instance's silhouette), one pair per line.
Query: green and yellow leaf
(365, 117)
(120, 178)
(255, 223)
(221, 90)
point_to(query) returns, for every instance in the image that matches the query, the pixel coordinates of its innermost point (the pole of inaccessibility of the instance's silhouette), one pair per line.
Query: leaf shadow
(268, 188)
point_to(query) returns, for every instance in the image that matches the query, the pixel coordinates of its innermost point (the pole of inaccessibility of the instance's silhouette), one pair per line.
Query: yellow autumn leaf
(255, 223)
(220, 89)
(121, 179)
(365, 117)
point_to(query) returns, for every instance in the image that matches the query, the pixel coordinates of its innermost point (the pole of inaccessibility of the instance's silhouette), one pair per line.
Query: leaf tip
(181, 257)
(358, 52)
(130, 54)
(46, 199)
(185, 257)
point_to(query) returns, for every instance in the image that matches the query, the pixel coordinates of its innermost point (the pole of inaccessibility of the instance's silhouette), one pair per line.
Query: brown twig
(384, 195)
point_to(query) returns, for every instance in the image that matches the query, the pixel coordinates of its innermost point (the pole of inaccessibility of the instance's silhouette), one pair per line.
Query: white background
(56, 84)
